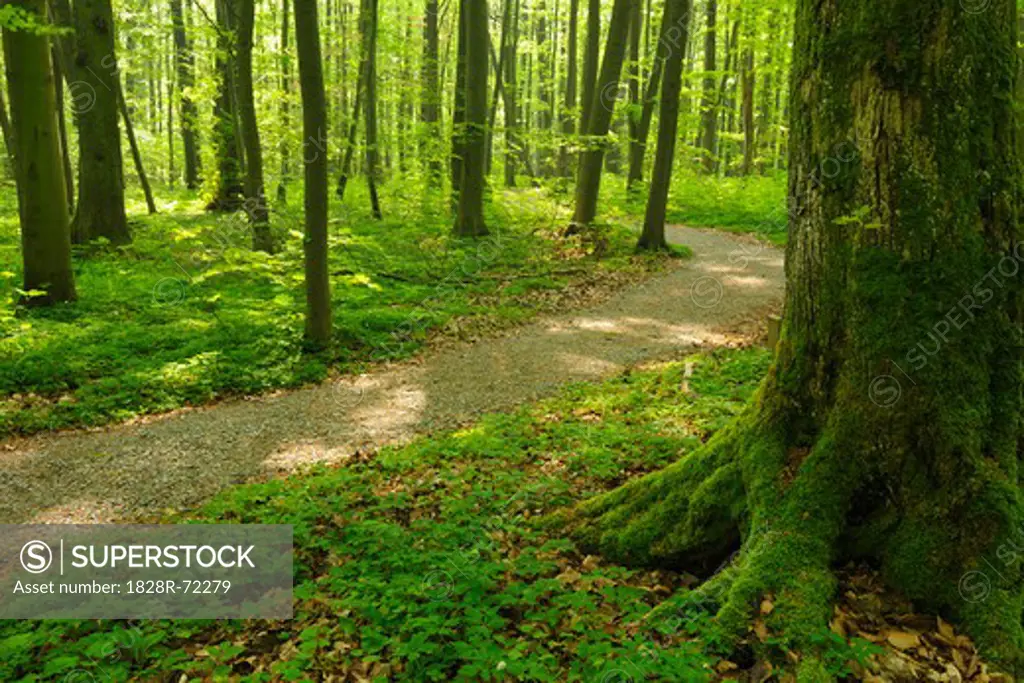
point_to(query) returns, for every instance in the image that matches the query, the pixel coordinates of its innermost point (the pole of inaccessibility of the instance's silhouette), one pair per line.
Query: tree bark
(42, 204)
(229, 195)
(749, 140)
(459, 109)
(709, 104)
(510, 84)
(670, 38)
(369, 31)
(430, 106)
(8, 134)
(888, 428)
(255, 193)
(590, 61)
(189, 114)
(62, 126)
(314, 127)
(470, 219)
(569, 113)
(636, 27)
(285, 108)
(653, 236)
(100, 212)
(588, 183)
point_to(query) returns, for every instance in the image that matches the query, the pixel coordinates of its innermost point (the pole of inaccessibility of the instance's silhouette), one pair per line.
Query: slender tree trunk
(314, 127)
(498, 61)
(588, 182)
(653, 236)
(189, 114)
(569, 114)
(459, 109)
(285, 108)
(749, 141)
(590, 62)
(470, 219)
(513, 144)
(230, 193)
(42, 204)
(430, 106)
(133, 146)
(62, 126)
(100, 210)
(709, 105)
(635, 109)
(353, 127)
(255, 193)
(369, 31)
(887, 430)
(670, 38)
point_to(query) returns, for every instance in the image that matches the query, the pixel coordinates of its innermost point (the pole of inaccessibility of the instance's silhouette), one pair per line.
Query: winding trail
(718, 297)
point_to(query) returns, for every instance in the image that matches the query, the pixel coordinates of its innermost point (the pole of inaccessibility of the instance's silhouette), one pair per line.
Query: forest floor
(720, 297)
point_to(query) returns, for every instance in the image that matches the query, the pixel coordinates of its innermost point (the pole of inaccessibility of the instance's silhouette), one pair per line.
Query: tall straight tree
(459, 108)
(709, 103)
(669, 37)
(42, 204)
(285, 107)
(678, 13)
(314, 129)
(368, 28)
(888, 429)
(571, 77)
(229, 193)
(430, 95)
(7, 133)
(100, 212)
(591, 57)
(588, 181)
(188, 114)
(255, 193)
(469, 221)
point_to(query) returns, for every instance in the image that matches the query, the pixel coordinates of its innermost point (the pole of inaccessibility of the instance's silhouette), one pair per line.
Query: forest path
(720, 296)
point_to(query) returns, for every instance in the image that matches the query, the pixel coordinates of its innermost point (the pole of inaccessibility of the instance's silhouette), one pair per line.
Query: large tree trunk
(470, 219)
(314, 127)
(100, 211)
(229, 193)
(588, 183)
(653, 236)
(889, 427)
(42, 204)
(709, 104)
(189, 115)
(255, 193)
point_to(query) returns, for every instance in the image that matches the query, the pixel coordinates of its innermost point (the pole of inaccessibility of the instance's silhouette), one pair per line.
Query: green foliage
(189, 313)
(422, 563)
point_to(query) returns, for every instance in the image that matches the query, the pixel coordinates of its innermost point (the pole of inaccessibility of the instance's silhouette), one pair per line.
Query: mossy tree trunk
(889, 426)
(100, 212)
(229, 193)
(677, 12)
(42, 204)
(314, 127)
(469, 221)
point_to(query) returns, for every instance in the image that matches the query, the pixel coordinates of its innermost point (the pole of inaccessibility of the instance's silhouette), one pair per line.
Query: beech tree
(469, 221)
(188, 116)
(888, 428)
(314, 130)
(42, 203)
(96, 87)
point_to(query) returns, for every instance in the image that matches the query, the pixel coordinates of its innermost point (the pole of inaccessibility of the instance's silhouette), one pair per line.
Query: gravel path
(721, 296)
